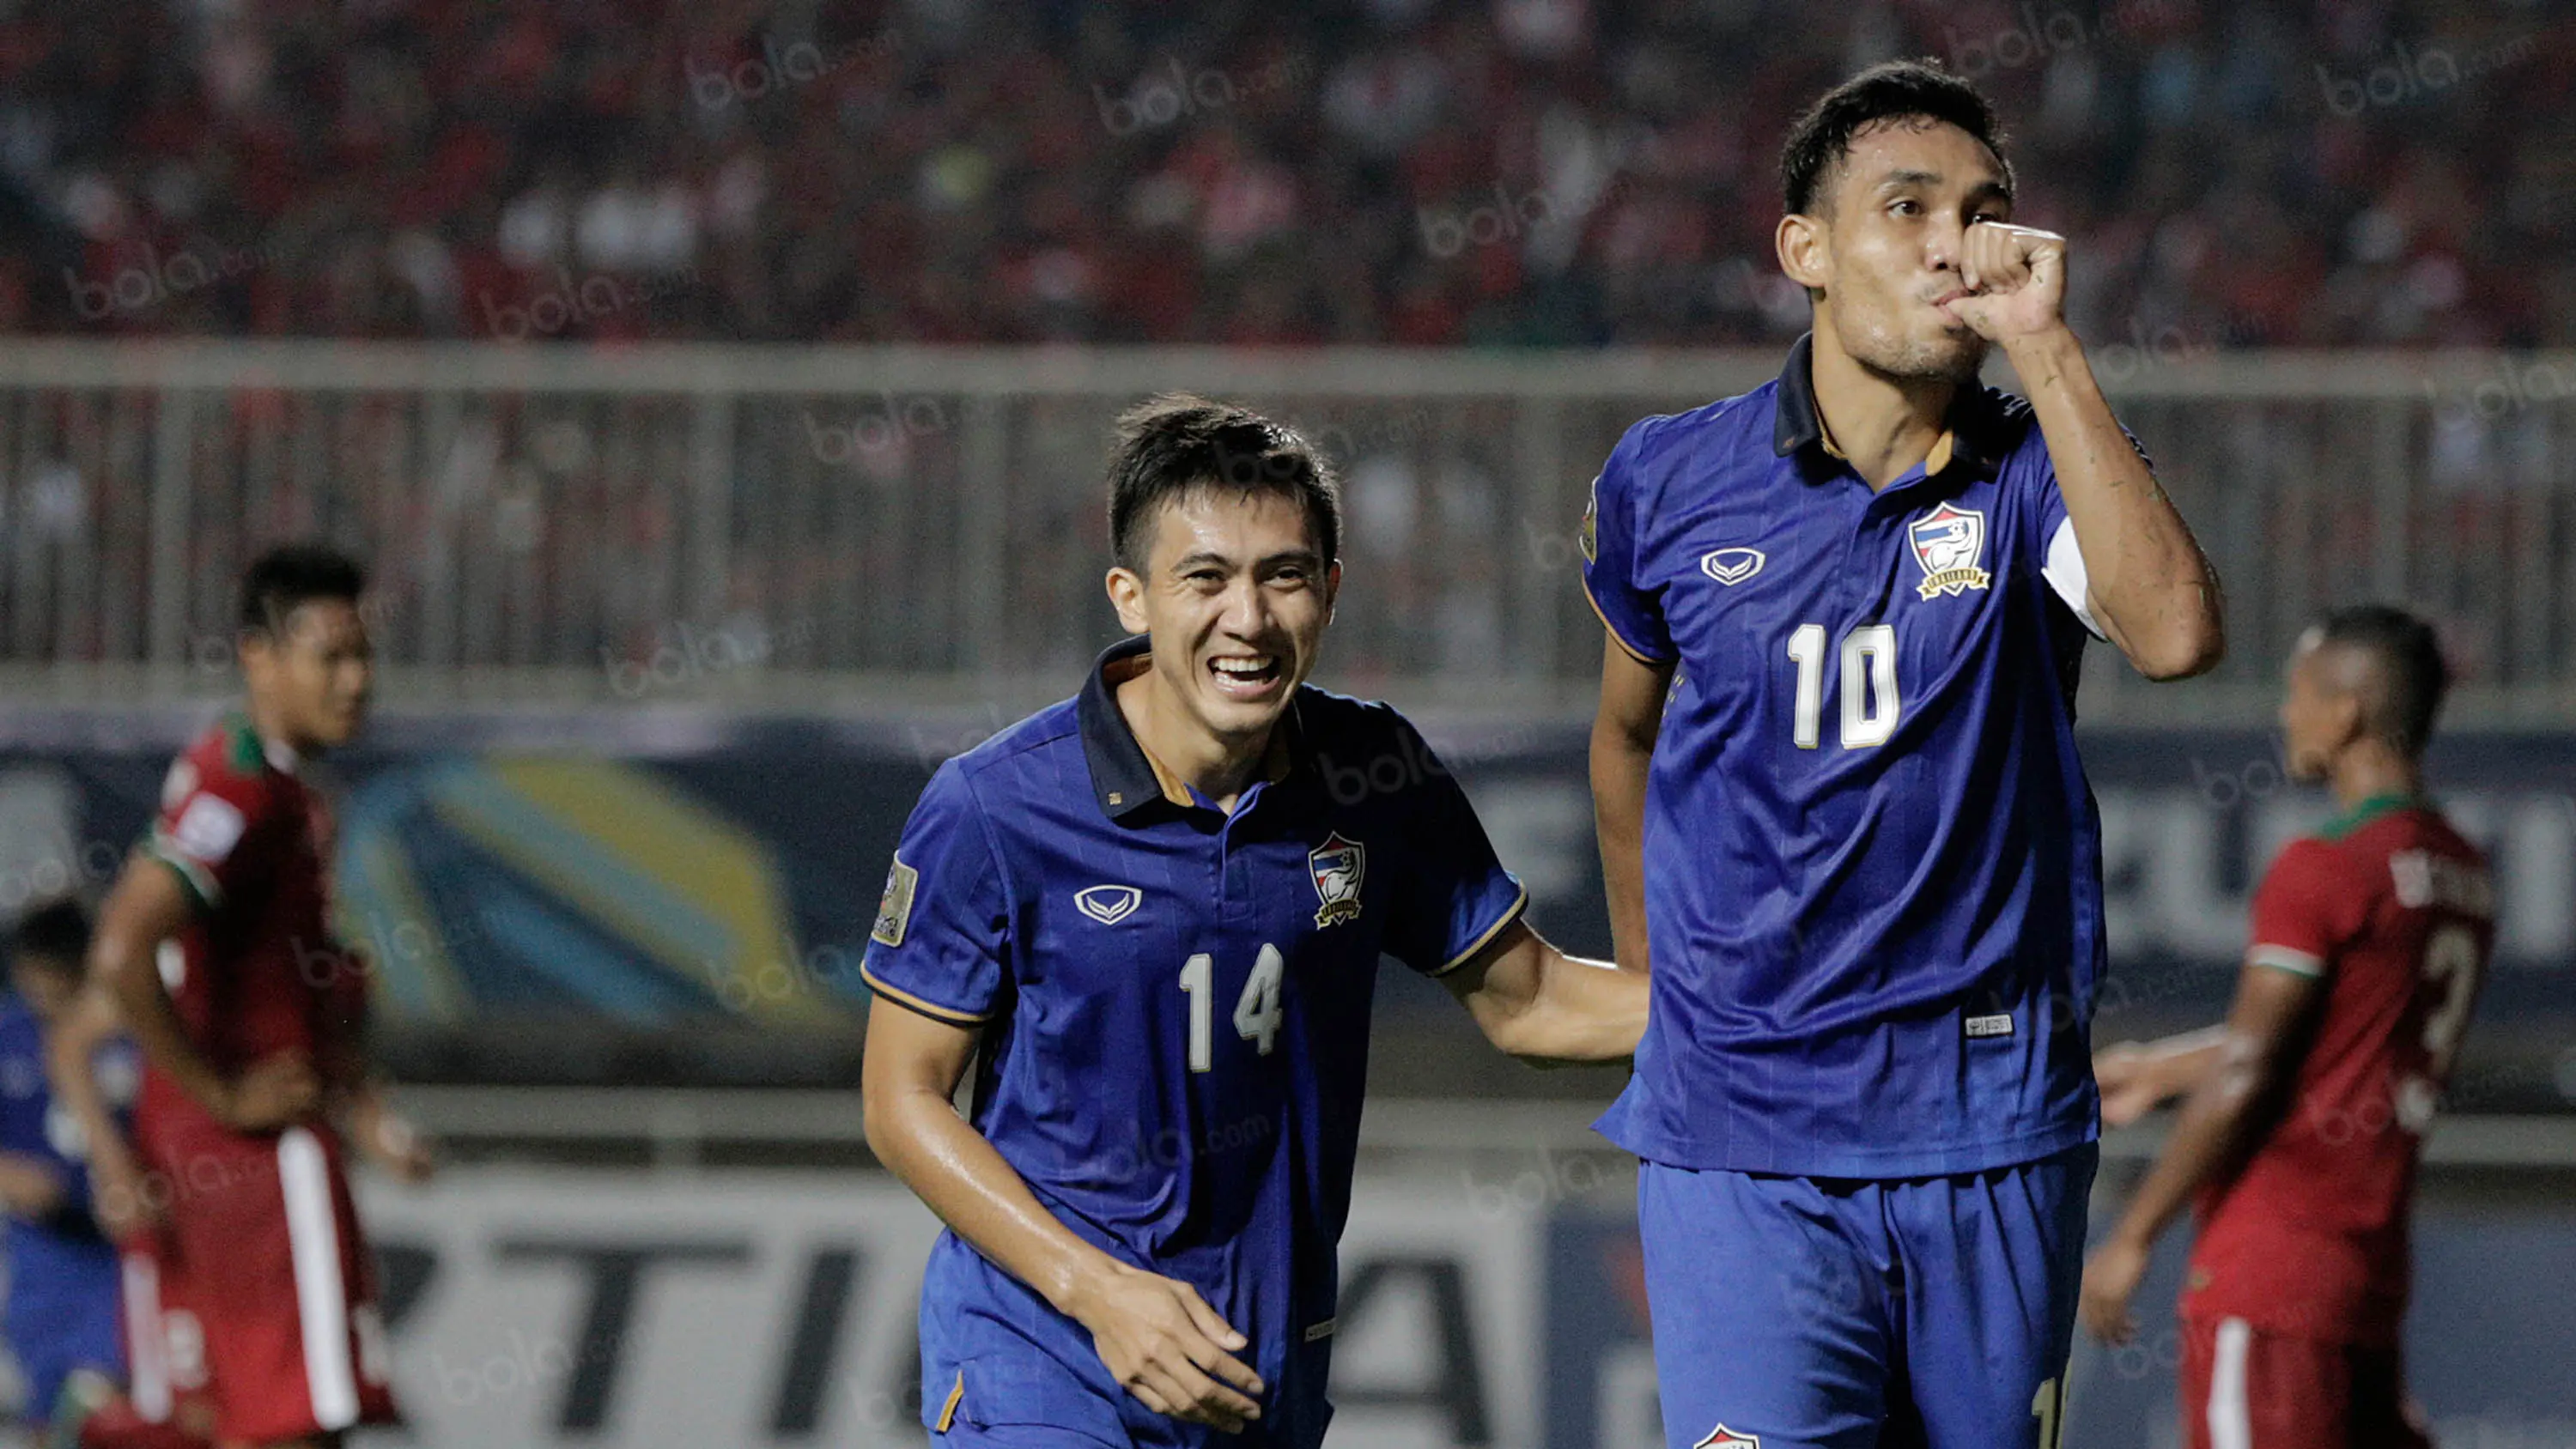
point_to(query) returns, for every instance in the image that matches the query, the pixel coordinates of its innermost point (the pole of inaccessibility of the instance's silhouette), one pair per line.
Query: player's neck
(1213, 765)
(1883, 425)
(2369, 770)
(273, 736)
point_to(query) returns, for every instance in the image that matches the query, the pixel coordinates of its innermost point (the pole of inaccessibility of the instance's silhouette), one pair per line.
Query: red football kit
(266, 1286)
(2300, 1273)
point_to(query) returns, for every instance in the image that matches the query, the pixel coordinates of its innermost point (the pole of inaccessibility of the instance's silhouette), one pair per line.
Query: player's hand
(120, 1194)
(2111, 1278)
(2127, 1077)
(392, 1143)
(1169, 1348)
(276, 1091)
(2016, 281)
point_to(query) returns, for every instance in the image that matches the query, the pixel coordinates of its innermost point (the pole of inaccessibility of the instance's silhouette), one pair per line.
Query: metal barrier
(752, 524)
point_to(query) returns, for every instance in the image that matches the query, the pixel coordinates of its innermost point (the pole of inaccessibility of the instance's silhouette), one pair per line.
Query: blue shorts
(62, 1313)
(1000, 1367)
(1836, 1313)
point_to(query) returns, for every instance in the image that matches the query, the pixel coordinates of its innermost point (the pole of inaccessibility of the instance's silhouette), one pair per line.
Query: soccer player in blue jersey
(62, 1303)
(1158, 909)
(1841, 812)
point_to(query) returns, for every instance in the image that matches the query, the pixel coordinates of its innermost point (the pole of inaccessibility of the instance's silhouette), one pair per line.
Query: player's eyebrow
(1206, 558)
(1909, 177)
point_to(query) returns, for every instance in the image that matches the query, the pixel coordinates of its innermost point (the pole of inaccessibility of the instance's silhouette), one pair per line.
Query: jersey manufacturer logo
(1723, 1437)
(1948, 542)
(1732, 565)
(1337, 866)
(894, 912)
(1981, 1027)
(1107, 904)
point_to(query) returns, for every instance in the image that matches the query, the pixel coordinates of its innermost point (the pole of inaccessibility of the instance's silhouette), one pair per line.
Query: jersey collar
(1796, 424)
(2367, 811)
(1124, 777)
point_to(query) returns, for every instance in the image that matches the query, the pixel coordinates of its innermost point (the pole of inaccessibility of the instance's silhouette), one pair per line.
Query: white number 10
(1869, 700)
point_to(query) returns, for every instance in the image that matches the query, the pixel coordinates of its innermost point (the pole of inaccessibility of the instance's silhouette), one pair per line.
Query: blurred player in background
(1857, 845)
(69, 1078)
(1158, 908)
(2305, 1114)
(217, 950)
(62, 1308)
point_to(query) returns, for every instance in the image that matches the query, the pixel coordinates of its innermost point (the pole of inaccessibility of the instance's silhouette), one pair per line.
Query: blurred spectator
(2328, 172)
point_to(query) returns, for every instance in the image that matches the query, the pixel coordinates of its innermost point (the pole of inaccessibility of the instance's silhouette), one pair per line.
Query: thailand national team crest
(1948, 542)
(1723, 1437)
(1337, 865)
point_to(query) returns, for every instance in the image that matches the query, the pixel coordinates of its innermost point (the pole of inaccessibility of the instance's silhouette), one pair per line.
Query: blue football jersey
(1175, 1008)
(1872, 863)
(33, 1125)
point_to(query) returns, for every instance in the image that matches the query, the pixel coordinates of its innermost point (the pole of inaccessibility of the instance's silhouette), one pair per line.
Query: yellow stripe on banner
(957, 1395)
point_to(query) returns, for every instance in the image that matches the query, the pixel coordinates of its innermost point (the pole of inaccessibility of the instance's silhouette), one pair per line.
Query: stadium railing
(780, 527)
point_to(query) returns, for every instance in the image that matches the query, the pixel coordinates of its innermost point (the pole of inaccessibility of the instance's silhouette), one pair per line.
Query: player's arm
(2138, 1077)
(2228, 1110)
(71, 1072)
(1156, 1335)
(1535, 1002)
(30, 1189)
(1623, 746)
(148, 906)
(355, 1096)
(2148, 584)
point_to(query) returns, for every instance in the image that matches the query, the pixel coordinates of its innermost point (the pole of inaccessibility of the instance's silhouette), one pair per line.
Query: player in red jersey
(2306, 1111)
(216, 949)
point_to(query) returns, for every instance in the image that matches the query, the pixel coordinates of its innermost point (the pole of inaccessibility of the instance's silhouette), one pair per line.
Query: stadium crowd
(2328, 172)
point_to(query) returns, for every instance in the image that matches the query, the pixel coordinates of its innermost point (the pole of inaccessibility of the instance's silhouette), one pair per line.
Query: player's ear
(1332, 587)
(1127, 596)
(1799, 241)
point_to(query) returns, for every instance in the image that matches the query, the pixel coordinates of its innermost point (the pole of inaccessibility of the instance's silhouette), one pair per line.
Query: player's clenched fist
(1169, 1348)
(2016, 281)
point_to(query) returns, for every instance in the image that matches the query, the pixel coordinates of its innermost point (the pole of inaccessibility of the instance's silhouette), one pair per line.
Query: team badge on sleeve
(1948, 542)
(1337, 865)
(1588, 537)
(894, 912)
(1723, 1437)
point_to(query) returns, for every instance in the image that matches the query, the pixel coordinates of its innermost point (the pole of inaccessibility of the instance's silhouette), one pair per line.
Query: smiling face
(1884, 248)
(1235, 595)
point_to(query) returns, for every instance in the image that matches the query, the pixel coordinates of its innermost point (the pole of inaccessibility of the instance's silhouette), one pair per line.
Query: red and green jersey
(257, 972)
(2393, 911)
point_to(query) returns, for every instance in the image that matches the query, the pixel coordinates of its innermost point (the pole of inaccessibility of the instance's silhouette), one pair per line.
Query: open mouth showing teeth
(1245, 673)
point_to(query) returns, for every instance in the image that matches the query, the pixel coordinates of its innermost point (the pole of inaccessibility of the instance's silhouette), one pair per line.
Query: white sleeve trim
(2064, 571)
(2287, 958)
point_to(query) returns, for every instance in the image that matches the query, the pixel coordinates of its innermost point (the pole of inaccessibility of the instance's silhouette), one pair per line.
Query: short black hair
(54, 935)
(291, 575)
(1172, 443)
(2413, 675)
(1891, 90)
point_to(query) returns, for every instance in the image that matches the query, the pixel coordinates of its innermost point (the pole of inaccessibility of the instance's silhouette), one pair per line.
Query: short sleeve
(937, 946)
(210, 830)
(1633, 612)
(2061, 560)
(1455, 895)
(2298, 912)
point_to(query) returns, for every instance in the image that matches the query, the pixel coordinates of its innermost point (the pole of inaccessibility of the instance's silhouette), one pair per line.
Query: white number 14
(1257, 1013)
